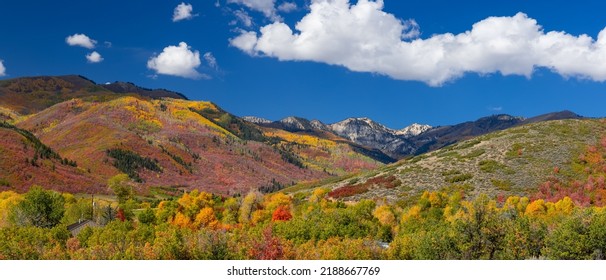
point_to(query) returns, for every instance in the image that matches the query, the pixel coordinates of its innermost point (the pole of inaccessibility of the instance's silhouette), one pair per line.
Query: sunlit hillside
(516, 161)
(165, 142)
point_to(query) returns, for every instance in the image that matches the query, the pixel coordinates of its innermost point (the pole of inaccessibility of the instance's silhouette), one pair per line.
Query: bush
(39, 208)
(459, 178)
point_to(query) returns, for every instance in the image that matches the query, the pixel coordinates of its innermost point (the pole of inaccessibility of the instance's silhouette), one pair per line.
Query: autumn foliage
(564, 219)
(282, 213)
(268, 247)
(590, 190)
(200, 225)
(387, 182)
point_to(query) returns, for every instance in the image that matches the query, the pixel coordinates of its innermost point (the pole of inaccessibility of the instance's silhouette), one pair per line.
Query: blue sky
(342, 69)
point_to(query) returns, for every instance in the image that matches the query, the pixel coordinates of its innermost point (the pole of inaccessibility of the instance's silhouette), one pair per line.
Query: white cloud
(243, 18)
(364, 38)
(177, 61)
(245, 42)
(287, 7)
(183, 11)
(2, 69)
(267, 7)
(81, 40)
(94, 57)
(411, 29)
(211, 60)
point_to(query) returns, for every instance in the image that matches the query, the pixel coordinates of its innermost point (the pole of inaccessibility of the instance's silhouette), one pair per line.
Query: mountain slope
(25, 161)
(446, 135)
(193, 145)
(33, 94)
(126, 87)
(563, 115)
(514, 161)
(318, 129)
(190, 150)
(439, 137)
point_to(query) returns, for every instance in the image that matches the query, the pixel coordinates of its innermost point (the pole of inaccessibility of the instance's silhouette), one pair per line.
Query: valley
(188, 180)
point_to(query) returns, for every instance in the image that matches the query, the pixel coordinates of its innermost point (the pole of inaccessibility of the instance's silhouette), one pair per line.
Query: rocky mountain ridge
(414, 139)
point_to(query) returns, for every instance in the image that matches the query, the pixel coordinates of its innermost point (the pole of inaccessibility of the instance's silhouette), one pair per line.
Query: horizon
(221, 51)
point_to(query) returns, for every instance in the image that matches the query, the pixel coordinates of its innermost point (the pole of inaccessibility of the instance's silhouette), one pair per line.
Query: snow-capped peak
(295, 123)
(413, 130)
(256, 120)
(370, 123)
(319, 125)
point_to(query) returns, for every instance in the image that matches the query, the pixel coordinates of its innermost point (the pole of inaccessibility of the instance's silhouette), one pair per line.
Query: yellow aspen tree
(536, 208)
(385, 215)
(206, 219)
(182, 220)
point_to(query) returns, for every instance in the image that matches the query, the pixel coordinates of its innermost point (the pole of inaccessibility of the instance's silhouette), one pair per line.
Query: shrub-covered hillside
(515, 161)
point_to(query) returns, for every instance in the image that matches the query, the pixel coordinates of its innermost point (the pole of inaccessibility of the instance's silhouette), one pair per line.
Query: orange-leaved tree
(282, 213)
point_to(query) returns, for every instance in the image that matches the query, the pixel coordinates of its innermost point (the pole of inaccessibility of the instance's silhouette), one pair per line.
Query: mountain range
(71, 134)
(540, 160)
(409, 141)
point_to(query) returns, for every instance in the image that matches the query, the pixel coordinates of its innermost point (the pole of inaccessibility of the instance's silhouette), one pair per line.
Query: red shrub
(282, 213)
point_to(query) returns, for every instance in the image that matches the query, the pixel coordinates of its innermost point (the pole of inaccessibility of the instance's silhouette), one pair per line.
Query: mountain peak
(256, 120)
(128, 87)
(293, 123)
(361, 121)
(505, 117)
(319, 125)
(413, 130)
(369, 133)
(566, 114)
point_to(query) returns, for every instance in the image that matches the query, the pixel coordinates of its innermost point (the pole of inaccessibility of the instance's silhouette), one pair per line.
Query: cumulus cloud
(246, 42)
(183, 11)
(287, 7)
(94, 57)
(81, 40)
(178, 61)
(364, 38)
(267, 7)
(2, 69)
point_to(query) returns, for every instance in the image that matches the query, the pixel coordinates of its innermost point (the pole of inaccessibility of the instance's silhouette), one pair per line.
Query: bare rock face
(295, 124)
(367, 132)
(256, 120)
(413, 130)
